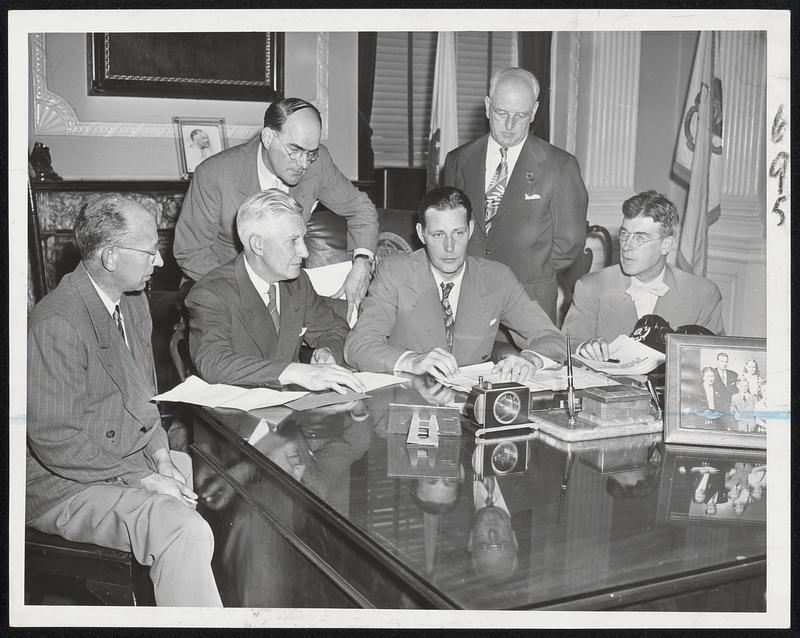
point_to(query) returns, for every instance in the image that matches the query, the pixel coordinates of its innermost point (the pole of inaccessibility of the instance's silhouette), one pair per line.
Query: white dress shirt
(263, 287)
(110, 305)
(645, 294)
(493, 158)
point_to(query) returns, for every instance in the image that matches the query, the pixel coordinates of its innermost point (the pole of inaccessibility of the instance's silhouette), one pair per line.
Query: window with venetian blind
(403, 90)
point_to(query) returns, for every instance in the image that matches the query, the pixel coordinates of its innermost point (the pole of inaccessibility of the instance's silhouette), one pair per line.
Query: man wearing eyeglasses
(529, 198)
(288, 156)
(99, 469)
(608, 303)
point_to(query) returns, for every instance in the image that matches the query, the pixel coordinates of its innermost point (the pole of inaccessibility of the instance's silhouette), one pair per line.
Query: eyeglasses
(637, 239)
(296, 153)
(501, 114)
(153, 253)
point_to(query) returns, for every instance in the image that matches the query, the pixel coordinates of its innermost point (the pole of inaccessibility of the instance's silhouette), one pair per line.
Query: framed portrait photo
(716, 391)
(196, 140)
(701, 485)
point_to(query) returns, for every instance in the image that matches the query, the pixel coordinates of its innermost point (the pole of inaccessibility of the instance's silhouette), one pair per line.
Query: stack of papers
(634, 358)
(195, 390)
(547, 379)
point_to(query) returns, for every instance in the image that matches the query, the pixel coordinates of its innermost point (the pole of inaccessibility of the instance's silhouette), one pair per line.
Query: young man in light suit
(287, 155)
(98, 466)
(406, 326)
(608, 303)
(534, 220)
(247, 318)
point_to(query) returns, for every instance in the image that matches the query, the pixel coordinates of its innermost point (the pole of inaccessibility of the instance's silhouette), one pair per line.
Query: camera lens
(506, 407)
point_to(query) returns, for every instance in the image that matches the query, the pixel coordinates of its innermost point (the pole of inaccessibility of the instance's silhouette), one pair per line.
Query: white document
(375, 380)
(329, 279)
(545, 379)
(195, 390)
(634, 358)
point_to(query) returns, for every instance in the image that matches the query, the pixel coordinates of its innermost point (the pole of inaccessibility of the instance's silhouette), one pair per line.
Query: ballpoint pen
(570, 386)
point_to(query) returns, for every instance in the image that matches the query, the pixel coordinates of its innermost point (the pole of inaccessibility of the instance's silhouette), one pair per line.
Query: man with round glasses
(609, 302)
(529, 198)
(287, 155)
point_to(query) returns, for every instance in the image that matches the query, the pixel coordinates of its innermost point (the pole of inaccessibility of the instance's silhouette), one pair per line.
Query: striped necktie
(117, 316)
(497, 187)
(449, 319)
(272, 306)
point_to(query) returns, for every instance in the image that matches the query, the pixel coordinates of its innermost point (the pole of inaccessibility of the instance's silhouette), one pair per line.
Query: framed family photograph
(716, 391)
(197, 139)
(712, 485)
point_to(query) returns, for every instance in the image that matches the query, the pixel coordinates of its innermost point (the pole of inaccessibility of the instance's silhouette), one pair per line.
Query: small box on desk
(615, 405)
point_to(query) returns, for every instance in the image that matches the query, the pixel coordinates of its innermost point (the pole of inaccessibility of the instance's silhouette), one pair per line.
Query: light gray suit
(602, 308)
(402, 311)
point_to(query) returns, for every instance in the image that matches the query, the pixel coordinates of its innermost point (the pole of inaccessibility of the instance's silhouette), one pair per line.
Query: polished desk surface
(581, 538)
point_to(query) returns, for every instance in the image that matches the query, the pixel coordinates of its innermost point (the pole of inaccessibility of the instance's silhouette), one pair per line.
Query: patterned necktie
(496, 189)
(117, 316)
(272, 306)
(449, 319)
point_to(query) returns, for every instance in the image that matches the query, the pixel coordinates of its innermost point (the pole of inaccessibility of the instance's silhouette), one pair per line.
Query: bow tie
(638, 289)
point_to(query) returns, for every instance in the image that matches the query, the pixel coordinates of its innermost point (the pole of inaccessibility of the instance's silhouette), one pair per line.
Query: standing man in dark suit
(438, 308)
(725, 382)
(247, 318)
(287, 156)
(98, 466)
(530, 201)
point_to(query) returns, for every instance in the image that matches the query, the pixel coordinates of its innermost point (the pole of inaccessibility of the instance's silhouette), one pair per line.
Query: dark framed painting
(702, 485)
(244, 66)
(716, 391)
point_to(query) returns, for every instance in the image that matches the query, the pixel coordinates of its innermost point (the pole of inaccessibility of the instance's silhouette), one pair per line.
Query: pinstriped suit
(92, 433)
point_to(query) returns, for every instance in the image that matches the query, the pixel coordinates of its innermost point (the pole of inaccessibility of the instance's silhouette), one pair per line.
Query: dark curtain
(534, 56)
(367, 47)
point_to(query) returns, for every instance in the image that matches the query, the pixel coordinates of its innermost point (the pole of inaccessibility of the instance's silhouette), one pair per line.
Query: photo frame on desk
(702, 408)
(708, 485)
(197, 139)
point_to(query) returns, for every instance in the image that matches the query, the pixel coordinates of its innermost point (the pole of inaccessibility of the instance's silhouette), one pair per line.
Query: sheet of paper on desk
(634, 358)
(321, 399)
(374, 380)
(196, 391)
(550, 379)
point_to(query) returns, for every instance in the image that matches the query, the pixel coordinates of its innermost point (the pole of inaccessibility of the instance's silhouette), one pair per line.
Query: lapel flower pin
(529, 194)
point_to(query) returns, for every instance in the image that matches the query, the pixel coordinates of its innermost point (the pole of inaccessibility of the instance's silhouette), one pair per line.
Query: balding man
(98, 466)
(248, 317)
(529, 198)
(288, 156)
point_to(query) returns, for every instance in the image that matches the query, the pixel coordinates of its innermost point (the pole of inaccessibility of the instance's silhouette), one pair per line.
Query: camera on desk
(494, 405)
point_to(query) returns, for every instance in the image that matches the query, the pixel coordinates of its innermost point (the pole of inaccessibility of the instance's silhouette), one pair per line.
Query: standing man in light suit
(287, 156)
(98, 466)
(530, 201)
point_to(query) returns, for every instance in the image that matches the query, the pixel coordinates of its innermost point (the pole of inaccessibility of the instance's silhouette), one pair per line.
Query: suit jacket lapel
(621, 306)
(291, 319)
(474, 179)
(248, 172)
(672, 298)
(427, 307)
(117, 360)
(528, 164)
(257, 324)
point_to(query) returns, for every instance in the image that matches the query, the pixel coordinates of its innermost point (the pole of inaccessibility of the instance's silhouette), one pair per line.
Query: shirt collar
(266, 178)
(107, 301)
(635, 281)
(456, 281)
(260, 284)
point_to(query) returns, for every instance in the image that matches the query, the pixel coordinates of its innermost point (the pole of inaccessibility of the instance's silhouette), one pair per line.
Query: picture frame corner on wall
(716, 391)
(197, 139)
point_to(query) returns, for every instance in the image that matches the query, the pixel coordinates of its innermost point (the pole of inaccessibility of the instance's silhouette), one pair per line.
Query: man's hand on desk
(321, 377)
(161, 484)
(439, 363)
(595, 349)
(356, 283)
(518, 367)
(322, 356)
(432, 391)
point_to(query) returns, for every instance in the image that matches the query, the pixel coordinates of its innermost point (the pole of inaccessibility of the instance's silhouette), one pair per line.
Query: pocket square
(534, 196)
(493, 321)
(303, 331)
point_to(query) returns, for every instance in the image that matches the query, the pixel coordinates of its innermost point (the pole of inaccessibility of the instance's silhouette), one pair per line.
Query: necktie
(117, 316)
(497, 187)
(449, 319)
(272, 306)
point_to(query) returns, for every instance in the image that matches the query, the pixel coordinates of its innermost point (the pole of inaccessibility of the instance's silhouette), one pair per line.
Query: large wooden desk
(348, 534)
